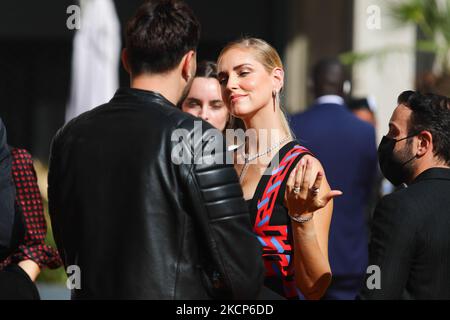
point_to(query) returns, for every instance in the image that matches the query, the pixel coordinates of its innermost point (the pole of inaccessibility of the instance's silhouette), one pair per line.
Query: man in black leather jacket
(137, 223)
(7, 196)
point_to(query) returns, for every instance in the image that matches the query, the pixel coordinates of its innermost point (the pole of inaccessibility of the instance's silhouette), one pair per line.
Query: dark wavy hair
(159, 35)
(430, 112)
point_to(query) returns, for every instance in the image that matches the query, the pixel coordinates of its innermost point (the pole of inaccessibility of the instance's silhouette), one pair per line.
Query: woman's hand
(301, 198)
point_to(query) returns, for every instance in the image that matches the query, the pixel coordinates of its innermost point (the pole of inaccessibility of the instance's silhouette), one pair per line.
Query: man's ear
(124, 58)
(278, 79)
(189, 65)
(425, 143)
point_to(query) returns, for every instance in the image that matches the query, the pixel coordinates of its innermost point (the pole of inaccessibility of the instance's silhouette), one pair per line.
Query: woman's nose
(232, 83)
(204, 114)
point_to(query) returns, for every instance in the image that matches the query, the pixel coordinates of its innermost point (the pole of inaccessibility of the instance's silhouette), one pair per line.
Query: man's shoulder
(399, 195)
(130, 114)
(400, 204)
(341, 122)
(308, 112)
(78, 121)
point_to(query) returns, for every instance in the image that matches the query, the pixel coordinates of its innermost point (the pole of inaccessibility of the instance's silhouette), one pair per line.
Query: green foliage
(431, 17)
(350, 58)
(428, 15)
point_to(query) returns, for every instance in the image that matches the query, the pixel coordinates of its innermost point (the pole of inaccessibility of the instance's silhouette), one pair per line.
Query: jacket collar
(330, 99)
(125, 94)
(434, 174)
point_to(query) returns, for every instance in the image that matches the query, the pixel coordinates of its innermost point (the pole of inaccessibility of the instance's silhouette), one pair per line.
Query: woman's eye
(192, 104)
(217, 106)
(244, 73)
(222, 81)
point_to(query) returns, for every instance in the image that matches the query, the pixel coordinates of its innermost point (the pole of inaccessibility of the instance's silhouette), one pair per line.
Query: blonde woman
(285, 187)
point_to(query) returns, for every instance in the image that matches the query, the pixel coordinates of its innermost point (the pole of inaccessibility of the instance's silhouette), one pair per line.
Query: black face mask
(393, 169)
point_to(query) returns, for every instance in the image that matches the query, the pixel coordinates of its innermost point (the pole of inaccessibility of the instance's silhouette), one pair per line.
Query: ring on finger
(315, 191)
(296, 189)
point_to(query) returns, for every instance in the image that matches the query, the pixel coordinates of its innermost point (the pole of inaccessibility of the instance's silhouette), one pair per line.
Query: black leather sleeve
(7, 196)
(53, 192)
(222, 214)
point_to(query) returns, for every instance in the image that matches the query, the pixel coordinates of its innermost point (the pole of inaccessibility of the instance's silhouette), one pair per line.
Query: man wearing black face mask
(410, 241)
(397, 168)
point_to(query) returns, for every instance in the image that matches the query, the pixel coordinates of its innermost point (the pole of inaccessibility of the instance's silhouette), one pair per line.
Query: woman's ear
(278, 79)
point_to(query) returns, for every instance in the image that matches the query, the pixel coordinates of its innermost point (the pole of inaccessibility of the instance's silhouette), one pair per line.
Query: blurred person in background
(346, 146)
(20, 269)
(288, 196)
(12, 230)
(364, 109)
(410, 242)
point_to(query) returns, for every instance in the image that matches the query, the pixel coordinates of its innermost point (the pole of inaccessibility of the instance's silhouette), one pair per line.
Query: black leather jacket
(139, 226)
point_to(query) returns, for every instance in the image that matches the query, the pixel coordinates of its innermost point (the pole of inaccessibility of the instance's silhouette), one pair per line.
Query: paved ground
(53, 292)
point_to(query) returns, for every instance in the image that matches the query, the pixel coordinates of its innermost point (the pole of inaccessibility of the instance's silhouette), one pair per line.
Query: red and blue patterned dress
(271, 222)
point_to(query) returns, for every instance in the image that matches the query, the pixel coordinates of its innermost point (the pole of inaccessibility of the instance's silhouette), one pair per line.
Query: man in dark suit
(410, 242)
(346, 147)
(7, 195)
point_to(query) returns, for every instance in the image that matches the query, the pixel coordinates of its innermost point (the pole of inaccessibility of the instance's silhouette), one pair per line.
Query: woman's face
(205, 101)
(246, 85)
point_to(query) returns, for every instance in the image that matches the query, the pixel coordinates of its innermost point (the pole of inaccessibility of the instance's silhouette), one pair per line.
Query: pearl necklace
(249, 158)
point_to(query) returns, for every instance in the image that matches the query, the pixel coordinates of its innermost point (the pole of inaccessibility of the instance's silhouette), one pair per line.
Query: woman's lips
(236, 98)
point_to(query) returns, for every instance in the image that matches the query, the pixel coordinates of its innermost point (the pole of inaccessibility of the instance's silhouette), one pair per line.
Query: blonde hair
(268, 57)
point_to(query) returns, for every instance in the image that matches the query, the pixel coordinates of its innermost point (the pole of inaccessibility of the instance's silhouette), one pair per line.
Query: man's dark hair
(328, 76)
(359, 104)
(159, 35)
(430, 112)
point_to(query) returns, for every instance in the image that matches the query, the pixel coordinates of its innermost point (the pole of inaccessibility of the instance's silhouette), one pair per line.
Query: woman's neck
(268, 129)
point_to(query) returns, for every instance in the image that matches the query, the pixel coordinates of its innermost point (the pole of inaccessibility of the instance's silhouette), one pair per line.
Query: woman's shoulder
(307, 154)
(300, 149)
(20, 153)
(21, 157)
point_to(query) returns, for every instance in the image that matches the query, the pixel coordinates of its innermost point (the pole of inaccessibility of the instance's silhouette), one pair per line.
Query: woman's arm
(312, 268)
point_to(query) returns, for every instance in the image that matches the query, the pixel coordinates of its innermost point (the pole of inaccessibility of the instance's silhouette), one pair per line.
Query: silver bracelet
(300, 219)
